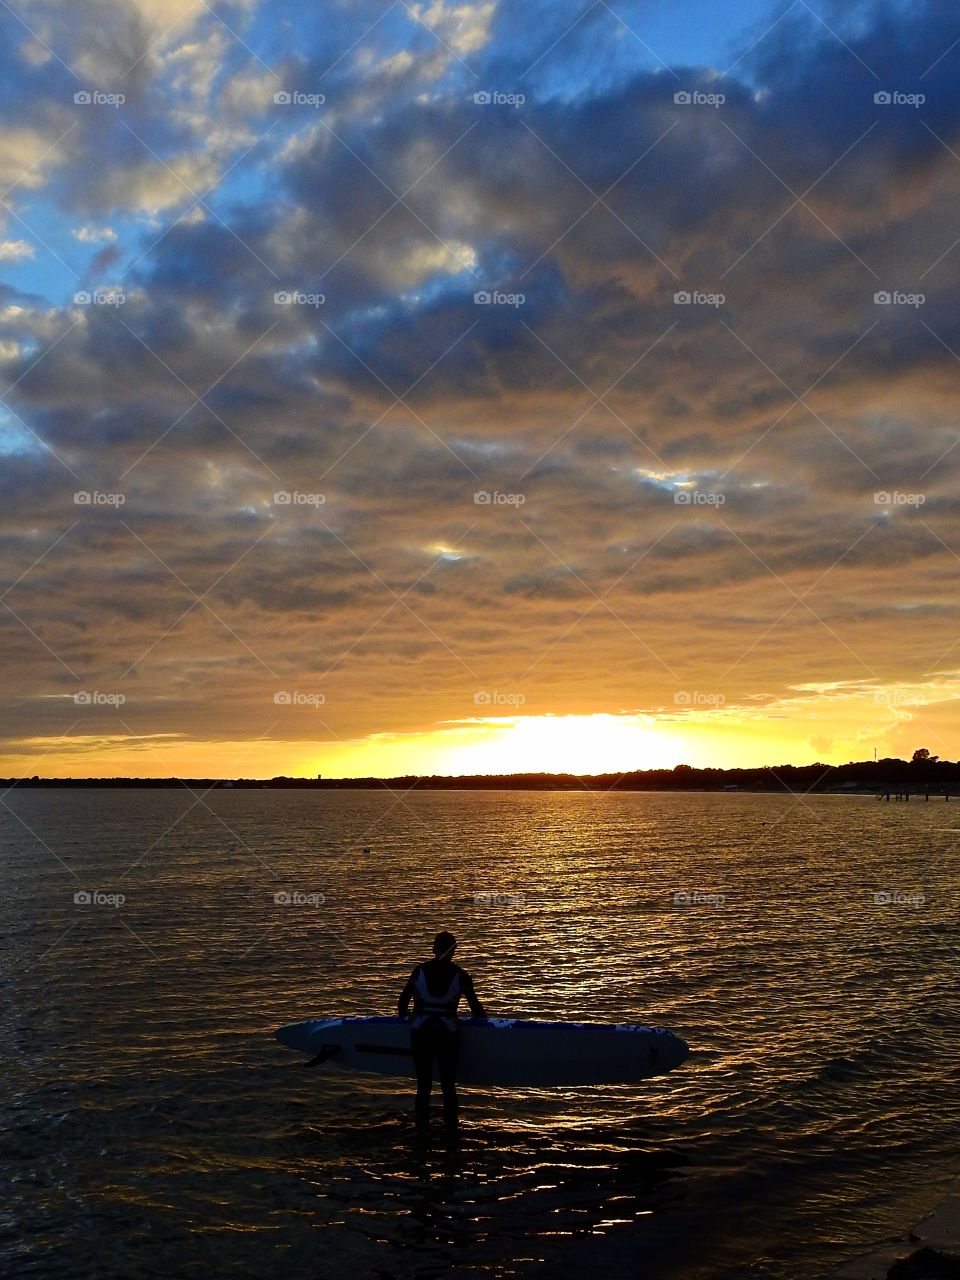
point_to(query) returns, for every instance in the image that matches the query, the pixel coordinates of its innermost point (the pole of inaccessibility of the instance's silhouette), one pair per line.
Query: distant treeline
(922, 773)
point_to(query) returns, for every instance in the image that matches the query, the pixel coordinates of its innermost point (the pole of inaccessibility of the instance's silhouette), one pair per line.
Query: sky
(451, 387)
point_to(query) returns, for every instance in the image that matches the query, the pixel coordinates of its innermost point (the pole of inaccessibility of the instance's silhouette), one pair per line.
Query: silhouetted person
(435, 988)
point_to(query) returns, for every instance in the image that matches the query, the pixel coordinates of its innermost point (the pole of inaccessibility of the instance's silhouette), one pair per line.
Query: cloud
(16, 250)
(93, 235)
(463, 28)
(27, 155)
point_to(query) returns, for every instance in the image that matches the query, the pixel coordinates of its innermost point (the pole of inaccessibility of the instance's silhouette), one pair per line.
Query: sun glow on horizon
(828, 723)
(583, 744)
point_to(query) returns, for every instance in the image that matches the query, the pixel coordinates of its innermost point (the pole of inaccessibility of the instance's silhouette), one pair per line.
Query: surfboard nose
(670, 1050)
(288, 1035)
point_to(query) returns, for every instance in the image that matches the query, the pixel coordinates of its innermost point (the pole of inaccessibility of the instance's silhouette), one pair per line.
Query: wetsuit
(436, 988)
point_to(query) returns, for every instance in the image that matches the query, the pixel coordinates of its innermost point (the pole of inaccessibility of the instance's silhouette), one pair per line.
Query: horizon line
(318, 780)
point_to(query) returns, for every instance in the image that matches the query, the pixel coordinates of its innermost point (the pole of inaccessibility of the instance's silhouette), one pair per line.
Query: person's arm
(407, 993)
(466, 988)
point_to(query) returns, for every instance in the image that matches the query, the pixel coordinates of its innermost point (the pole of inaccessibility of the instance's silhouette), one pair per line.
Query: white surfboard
(499, 1051)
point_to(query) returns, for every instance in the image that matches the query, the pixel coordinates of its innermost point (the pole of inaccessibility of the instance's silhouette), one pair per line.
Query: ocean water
(151, 1126)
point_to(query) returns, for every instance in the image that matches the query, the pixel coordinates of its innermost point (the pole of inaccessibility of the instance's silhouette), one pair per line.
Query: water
(152, 1127)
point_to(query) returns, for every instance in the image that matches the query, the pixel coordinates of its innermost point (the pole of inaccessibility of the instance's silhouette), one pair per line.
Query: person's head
(444, 945)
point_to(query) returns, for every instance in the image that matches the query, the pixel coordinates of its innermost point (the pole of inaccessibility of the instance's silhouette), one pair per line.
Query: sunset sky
(354, 421)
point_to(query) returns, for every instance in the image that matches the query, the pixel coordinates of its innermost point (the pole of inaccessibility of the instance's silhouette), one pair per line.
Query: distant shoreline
(891, 777)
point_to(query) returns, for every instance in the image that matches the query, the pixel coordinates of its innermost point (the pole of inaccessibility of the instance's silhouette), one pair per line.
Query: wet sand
(930, 1251)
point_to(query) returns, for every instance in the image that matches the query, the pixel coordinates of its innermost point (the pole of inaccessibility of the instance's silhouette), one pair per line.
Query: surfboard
(499, 1051)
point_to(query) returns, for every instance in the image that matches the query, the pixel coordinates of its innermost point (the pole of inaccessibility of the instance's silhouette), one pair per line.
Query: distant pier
(905, 793)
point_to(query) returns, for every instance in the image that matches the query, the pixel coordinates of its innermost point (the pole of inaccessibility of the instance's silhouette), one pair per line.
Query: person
(435, 988)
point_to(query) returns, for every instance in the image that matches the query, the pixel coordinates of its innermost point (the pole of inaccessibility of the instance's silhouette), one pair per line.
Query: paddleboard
(499, 1051)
